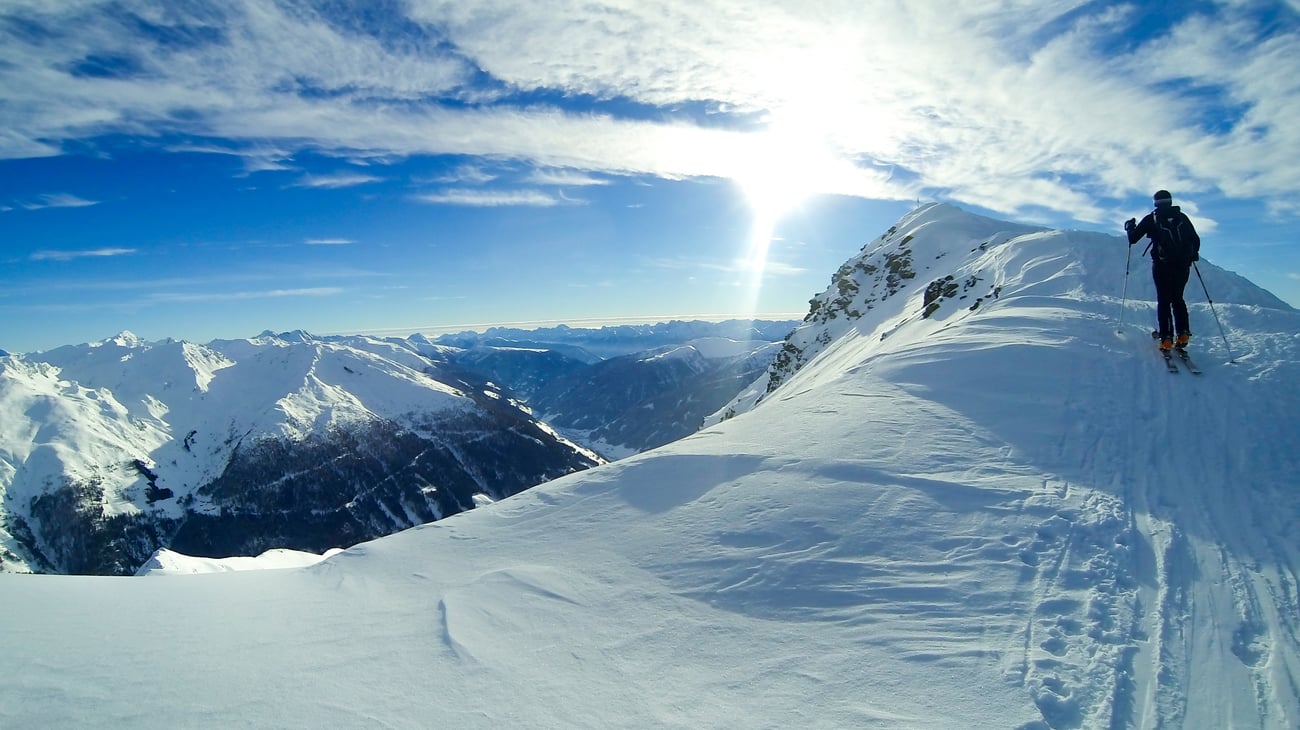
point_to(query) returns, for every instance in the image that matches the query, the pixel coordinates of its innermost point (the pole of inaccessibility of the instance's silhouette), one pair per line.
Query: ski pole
(1124, 299)
(1216, 314)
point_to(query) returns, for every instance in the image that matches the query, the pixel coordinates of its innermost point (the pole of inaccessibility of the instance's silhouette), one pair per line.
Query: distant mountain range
(656, 385)
(111, 450)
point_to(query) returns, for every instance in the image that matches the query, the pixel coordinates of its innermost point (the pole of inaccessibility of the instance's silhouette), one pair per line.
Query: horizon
(200, 172)
(593, 323)
(435, 332)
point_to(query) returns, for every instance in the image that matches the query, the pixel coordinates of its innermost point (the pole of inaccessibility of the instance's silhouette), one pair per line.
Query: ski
(1187, 360)
(1169, 361)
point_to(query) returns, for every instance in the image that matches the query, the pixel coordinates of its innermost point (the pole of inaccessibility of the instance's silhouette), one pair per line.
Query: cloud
(256, 158)
(491, 198)
(177, 297)
(565, 178)
(1009, 104)
(57, 200)
(339, 180)
(87, 253)
(329, 241)
(465, 175)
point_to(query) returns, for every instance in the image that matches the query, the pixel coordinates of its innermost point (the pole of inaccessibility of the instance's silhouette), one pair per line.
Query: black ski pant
(1171, 310)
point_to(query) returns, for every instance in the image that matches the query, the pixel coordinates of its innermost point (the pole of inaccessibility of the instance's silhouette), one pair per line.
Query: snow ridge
(939, 265)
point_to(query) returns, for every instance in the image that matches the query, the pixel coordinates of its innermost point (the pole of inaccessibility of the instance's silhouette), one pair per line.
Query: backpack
(1174, 240)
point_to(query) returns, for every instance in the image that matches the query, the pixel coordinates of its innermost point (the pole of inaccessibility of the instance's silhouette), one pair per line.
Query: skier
(1174, 246)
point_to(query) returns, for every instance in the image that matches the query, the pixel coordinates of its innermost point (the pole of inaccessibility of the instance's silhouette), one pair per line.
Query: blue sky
(204, 170)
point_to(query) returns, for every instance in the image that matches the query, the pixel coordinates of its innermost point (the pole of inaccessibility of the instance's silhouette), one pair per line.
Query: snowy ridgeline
(170, 562)
(1005, 515)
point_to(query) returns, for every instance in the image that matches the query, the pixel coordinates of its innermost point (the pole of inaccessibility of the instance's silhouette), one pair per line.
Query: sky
(203, 170)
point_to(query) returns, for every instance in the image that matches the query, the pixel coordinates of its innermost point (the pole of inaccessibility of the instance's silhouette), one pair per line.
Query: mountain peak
(298, 335)
(125, 339)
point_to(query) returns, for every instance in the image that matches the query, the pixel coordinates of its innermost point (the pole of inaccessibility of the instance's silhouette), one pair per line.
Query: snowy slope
(1002, 517)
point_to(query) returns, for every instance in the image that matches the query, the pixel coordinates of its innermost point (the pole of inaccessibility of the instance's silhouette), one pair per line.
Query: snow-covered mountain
(996, 512)
(114, 449)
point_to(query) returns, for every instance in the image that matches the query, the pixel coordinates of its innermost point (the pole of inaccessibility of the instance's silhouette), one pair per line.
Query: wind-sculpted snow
(1007, 517)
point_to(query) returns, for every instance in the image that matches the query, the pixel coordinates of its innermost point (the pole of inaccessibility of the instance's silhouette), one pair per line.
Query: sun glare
(780, 169)
(780, 174)
(799, 154)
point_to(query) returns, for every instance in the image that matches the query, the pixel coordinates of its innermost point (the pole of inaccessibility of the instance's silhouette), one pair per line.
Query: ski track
(1156, 584)
(1202, 614)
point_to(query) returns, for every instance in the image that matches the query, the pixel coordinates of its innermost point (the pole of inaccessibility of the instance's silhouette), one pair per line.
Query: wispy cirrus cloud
(55, 200)
(181, 297)
(256, 157)
(492, 198)
(329, 241)
(81, 254)
(338, 180)
(564, 178)
(465, 175)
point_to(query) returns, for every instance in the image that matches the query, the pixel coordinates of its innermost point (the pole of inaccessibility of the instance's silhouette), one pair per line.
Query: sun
(780, 173)
(777, 171)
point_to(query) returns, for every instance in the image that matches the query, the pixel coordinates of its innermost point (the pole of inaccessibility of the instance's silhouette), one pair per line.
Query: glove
(1130, 224)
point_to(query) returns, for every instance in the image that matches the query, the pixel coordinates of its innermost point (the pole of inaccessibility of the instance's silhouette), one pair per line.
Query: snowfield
(1005, 516)
(170, 562)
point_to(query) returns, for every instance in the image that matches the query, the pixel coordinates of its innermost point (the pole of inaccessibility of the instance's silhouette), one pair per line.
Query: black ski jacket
(1147, 227)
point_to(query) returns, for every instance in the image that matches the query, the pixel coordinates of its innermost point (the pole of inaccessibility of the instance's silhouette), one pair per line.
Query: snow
(1003, 517)
(170, 562)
